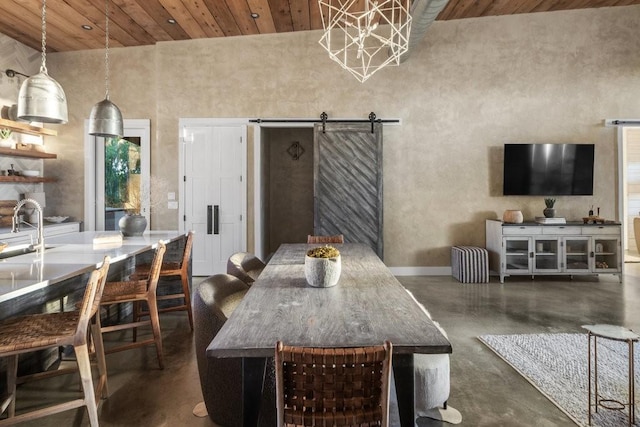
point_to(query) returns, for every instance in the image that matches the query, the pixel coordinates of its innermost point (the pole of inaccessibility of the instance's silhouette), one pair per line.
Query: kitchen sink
(13, 251)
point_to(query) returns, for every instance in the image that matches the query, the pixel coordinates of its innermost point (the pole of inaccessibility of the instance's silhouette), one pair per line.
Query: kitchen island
(31, 282)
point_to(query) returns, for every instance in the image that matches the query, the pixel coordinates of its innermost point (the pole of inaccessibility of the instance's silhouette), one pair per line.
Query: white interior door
(214, 158)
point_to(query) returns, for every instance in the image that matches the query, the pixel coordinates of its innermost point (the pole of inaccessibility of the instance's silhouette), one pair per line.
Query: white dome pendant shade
(106, 119)
(41, 98)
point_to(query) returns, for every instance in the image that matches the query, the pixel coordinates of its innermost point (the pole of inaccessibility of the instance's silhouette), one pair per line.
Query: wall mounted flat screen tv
(548, 169)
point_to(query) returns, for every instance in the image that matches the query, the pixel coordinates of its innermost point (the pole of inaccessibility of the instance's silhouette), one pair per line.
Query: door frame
(213, 122)
(142, 128)
(622, 125)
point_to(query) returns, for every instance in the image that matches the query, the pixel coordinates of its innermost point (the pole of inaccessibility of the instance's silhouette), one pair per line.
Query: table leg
(252, 378)
(403, 375)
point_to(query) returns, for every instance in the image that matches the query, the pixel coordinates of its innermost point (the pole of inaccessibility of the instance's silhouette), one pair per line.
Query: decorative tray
(56, 219)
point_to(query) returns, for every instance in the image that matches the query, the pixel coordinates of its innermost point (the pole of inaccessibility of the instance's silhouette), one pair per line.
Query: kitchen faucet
(15, 225)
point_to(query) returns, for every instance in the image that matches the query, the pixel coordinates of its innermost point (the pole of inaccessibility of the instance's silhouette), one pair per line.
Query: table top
(612, 332)
(69, 256)
(366, 307)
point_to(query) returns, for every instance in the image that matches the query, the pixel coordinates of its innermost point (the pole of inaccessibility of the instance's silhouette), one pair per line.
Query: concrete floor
(483, 388)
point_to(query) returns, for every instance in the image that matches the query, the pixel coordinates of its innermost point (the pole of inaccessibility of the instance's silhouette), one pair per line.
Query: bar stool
(173, 269)
(615, 333)
(137, 291)
(25, 334)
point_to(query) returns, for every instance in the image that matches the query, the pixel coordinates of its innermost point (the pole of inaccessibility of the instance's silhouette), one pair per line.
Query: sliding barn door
(348, 182)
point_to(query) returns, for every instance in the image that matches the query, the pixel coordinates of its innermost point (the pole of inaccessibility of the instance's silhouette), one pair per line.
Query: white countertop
(68, 256)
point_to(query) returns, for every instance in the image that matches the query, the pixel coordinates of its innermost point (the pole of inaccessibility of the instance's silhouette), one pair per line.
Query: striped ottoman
(470, 264)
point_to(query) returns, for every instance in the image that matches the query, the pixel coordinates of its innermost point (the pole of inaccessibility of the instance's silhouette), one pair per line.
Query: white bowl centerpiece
(322, 266)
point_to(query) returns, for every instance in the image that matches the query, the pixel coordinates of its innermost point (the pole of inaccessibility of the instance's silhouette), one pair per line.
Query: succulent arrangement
(323, 252)
(549, 202)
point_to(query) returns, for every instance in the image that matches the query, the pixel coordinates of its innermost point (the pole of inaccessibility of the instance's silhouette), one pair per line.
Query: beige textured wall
(471, 86)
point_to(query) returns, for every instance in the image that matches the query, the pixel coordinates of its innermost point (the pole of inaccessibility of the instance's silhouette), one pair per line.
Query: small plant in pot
(322, 266)
(549, 211)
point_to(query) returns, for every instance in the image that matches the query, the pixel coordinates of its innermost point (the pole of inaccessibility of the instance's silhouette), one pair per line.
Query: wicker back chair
(138, 290)
(174, 269)
(245, 266)
(339, 238)
(36, 332)
(333, 386)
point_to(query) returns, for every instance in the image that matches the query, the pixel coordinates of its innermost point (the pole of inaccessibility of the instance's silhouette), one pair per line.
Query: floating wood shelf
(25, 179)
(26, 153)
(26, 128)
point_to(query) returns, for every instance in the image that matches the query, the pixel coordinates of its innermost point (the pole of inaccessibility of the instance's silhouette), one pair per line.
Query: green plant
(549, 202)
(323, 252)
(5, 133)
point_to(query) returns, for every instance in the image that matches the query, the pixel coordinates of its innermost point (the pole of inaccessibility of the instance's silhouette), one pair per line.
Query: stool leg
(589, 371)
(632, 392)
(12, 376)
(595, 369)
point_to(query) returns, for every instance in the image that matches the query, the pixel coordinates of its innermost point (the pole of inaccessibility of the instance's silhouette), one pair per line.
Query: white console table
(569, 249)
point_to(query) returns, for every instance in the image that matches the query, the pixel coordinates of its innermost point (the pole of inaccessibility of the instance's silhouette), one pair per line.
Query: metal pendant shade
(106, 119)
(41, 98)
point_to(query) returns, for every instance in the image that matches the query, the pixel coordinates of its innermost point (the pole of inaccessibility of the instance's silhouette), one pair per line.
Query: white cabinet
(536, 249)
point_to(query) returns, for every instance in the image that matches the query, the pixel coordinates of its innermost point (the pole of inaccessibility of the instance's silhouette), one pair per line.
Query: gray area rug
(556, 364)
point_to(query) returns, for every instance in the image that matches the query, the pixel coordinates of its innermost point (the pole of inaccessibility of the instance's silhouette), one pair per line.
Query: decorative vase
(322, 272)
(512, 217)
(132, 225)
(549, 212)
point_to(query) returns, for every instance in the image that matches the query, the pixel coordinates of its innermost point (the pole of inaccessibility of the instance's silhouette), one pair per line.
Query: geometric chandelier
(365, 39)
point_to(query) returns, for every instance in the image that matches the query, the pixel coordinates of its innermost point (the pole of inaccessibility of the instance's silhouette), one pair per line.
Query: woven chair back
(156, 266)
(187, 250)
(325, 239)
(333, 386)
(92, 295)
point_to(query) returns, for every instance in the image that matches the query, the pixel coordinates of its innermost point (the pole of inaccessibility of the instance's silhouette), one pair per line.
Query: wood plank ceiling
(145, 22)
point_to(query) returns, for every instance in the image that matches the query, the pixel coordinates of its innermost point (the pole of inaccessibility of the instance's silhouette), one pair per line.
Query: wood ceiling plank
(188, 23)
(223, 16)
(30, 20)
(143, 19)
(242, 15)
(161, 16)
(281, 13)
(204, 17)
(120, 18)
(545, 6)
(10, 30)
(265, 21)
(94, 14)
(300, 14)
(315, 19)
(61, 15)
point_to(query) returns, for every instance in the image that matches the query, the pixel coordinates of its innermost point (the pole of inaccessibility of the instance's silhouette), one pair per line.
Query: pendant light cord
(106, 50)
(43, 66)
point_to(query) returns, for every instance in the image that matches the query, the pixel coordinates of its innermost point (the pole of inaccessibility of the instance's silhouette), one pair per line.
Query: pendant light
(41, 98)
(106, 119)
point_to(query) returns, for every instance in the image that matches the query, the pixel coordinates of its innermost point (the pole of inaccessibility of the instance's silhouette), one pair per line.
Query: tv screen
(548, 169)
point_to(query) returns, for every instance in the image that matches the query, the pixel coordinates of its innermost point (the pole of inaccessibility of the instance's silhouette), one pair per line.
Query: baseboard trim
(420, 271)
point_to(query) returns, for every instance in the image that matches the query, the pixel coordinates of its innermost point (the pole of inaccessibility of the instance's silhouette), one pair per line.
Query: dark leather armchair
(220, 378)
(245, 266)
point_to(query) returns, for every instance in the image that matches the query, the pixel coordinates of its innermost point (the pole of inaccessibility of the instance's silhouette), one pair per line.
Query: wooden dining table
(366, 307)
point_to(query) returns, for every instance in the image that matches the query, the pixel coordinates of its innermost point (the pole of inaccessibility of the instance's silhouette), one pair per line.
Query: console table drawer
(563, 230)
(602, 229)
(521, 231)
